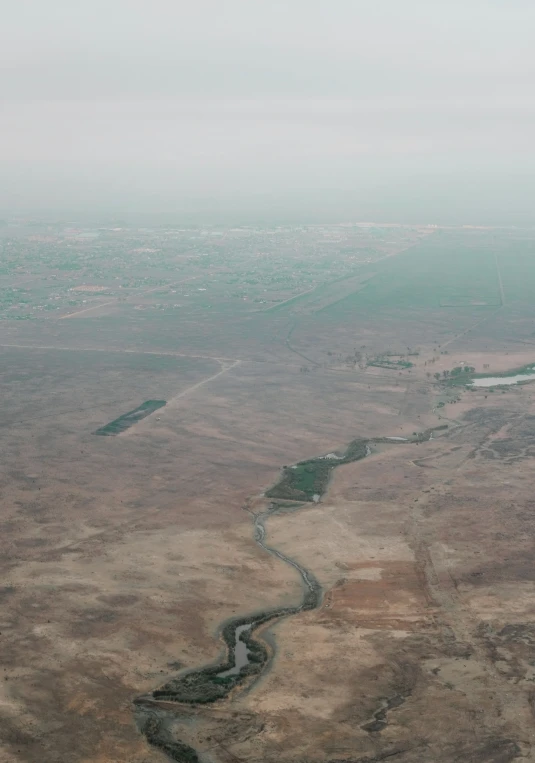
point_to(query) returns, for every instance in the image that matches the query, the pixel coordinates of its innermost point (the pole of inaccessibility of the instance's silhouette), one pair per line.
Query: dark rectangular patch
(127, 420)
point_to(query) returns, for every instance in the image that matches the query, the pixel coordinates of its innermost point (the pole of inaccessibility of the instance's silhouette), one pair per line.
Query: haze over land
(267, 348)
(269, 112)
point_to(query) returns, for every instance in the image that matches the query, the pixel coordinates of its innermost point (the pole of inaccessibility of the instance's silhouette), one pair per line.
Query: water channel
(241, 652)
(246, 656)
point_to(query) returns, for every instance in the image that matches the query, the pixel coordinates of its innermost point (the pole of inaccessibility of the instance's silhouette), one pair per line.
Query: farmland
(438, 272)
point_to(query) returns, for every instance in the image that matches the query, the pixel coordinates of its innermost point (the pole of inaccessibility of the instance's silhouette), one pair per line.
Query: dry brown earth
(122, 556)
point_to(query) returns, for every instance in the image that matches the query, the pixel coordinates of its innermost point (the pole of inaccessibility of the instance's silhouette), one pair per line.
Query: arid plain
(123, 556)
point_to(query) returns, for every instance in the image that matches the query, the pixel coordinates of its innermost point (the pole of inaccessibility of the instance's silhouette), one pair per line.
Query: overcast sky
(152, 100)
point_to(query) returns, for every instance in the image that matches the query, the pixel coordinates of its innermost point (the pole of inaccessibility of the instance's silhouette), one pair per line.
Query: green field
(443, 271)
(516, 258)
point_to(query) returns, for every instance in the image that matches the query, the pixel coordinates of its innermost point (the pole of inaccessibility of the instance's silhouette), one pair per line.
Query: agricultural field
(309, 537)
(443, 271)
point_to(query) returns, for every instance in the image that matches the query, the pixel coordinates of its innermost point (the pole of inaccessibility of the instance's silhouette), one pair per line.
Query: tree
(437, 376)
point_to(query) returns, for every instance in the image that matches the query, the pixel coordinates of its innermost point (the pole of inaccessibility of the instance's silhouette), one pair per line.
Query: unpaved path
(189, 390)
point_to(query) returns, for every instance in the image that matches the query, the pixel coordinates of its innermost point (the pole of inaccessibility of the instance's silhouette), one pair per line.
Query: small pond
(494, 381)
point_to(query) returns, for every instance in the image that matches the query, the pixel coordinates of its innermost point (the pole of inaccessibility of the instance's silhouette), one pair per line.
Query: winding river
(247, 657)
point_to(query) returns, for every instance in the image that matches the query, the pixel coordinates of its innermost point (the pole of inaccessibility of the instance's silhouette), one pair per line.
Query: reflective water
(241, 653)
(493, 381)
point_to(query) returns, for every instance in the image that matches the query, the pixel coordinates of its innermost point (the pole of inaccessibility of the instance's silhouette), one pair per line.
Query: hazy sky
(158, 99)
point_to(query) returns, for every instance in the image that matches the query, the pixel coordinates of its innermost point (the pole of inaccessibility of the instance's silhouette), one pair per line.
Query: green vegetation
(178, 751)
(446, 270)
(517, 266)
(303, 481)
(206, 685)
(385, 362)
(127, 420)
(457, 376)
(307, 479)
(465, 375)
(209, 684)
(459, 370)
(527, 369)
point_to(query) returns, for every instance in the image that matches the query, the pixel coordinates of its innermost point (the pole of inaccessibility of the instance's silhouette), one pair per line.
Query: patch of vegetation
(199, 687)
(312, 597)
(158, 737)
(466, 374)
(207, 685)
(127, 420)
(386, 362)
(527, 369)
(302, 481)
(457, 375)
(442, 271)
(307, 479)
(380, 717)
(459, 370)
